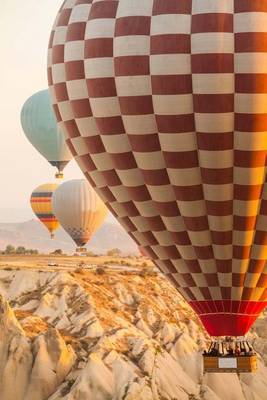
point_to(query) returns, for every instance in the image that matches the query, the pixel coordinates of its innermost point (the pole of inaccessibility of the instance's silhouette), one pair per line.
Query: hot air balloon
(169, 125)
(40, 127)
(79, 210)
(41, 203)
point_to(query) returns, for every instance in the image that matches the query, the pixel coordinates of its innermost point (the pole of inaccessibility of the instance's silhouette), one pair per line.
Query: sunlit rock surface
(114, 335)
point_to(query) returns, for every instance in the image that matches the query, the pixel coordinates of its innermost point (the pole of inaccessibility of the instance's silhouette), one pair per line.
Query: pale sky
(24, 34)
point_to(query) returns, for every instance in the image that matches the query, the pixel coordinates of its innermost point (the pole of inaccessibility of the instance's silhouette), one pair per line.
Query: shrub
(148, 272)
(100, 271)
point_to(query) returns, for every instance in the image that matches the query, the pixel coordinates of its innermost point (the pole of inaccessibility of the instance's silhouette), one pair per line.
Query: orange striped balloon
(41, 203)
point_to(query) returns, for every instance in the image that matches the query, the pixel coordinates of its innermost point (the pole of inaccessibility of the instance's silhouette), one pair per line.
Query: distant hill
(32, 234)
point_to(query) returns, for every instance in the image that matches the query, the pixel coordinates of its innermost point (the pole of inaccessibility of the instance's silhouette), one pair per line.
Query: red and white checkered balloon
(164, 106)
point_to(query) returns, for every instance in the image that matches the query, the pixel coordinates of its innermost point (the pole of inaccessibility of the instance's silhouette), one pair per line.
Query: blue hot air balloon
(40, 127)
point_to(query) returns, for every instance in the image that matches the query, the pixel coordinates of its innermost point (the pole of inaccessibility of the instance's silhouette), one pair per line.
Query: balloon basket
(237, 365)
(81, 251)
(59, 175)
(229, 356)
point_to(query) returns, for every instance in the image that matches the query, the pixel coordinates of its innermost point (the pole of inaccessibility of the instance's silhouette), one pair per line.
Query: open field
(67, 263)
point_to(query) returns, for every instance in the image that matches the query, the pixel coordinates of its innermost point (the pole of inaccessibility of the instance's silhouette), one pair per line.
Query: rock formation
(118, 335)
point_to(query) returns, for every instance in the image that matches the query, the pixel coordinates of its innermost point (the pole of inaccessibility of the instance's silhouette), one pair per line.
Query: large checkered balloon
(164, 106)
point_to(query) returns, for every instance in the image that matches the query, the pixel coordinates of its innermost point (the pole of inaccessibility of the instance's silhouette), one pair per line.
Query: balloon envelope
(41, 203)
(175, 139)
(40, 127)
(78, 209)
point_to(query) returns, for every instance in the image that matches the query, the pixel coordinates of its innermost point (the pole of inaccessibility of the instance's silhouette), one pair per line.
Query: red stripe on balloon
(36, 200)
(228, 317)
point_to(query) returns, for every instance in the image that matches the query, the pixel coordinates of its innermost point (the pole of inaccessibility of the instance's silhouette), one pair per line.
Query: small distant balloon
(40, 127)
(41, 203)
(79, 210)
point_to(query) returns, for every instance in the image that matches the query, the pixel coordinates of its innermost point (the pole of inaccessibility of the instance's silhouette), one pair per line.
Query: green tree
(58, 252)
(90, 254)
(114, 253)
(10, 249)
(32, 251)
(20, 250)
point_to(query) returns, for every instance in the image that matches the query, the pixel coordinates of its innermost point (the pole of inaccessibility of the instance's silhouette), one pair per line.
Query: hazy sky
(24, 33)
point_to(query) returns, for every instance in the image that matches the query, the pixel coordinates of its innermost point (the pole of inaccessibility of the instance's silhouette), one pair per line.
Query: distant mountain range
(32, 234)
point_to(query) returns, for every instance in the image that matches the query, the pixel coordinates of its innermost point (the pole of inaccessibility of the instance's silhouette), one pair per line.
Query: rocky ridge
(108, 335)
